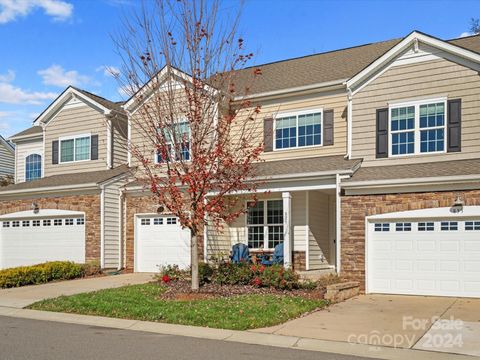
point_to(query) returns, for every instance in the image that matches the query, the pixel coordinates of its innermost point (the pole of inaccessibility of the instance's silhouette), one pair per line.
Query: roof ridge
(322, 53)
(86, 92)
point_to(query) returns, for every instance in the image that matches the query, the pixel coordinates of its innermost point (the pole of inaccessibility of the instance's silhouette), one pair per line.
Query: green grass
(141, 302)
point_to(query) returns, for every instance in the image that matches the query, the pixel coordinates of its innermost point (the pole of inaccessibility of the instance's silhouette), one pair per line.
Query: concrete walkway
(420, 322)
(26, 295)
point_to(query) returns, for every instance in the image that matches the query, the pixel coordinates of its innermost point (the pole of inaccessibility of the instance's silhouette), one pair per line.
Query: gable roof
(102, 104)
(467, 49)
(30, 132)
(8, 145)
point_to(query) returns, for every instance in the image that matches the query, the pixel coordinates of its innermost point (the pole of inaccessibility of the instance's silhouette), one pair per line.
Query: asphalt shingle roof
(34, 130)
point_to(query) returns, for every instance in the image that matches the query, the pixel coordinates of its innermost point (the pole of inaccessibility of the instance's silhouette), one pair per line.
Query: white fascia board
(42, 213)
(404, 44)
(410, 181)
(326, 84)
(49, 189)
(62, 98)
(38, 136)
(433, 213)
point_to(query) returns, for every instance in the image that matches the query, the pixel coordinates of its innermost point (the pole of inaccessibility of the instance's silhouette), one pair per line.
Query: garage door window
(171, 221)
(382, 227)
(6, 224)
(426, 226)
(449, 226)
(80, 221)
(36, 223)
(472, 225)
(158, 221)
(403, 227)
(47, 222)
(57, 222)
(145, 222)
(15, 223)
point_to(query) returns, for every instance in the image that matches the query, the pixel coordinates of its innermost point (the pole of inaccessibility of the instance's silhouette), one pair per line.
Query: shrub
(170, 273)
(41, 273)
(205, 273)
(92, 268)
(233, 274)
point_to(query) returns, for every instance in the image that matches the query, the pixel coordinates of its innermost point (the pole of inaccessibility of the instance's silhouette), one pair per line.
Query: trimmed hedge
(43, 273)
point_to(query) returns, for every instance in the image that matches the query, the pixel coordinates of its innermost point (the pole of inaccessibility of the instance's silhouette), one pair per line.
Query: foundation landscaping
(231, 296)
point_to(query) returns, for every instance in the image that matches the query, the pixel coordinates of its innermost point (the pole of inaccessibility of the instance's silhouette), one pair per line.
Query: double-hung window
(265, 224)
(298, 130)
(75, 149)
(177, 141)
(418, 127)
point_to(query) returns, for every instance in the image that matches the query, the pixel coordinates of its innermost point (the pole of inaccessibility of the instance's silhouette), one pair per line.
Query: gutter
(293, 89)
(411, 181)
(24, 137)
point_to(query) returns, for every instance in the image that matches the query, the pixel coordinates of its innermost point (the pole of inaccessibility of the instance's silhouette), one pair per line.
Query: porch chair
(240, 253)
(277, 258)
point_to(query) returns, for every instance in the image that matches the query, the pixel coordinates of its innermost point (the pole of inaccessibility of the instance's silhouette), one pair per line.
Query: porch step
(314, 275)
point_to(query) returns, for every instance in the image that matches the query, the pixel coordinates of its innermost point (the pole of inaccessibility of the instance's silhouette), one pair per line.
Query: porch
(304, 220)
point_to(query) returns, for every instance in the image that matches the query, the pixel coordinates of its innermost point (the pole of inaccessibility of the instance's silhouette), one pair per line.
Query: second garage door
(160, 241)
(424, 256)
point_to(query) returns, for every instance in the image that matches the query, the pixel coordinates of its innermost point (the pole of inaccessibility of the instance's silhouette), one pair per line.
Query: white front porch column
(287, 238)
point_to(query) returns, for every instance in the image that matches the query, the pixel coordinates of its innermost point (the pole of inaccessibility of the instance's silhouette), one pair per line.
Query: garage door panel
(444, 261)
(160, 241)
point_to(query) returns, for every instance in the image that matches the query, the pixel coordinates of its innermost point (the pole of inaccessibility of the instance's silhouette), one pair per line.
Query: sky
(46, 45)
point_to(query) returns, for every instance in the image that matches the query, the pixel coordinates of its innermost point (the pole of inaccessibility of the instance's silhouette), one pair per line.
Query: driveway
(420, 322)
(24, 296)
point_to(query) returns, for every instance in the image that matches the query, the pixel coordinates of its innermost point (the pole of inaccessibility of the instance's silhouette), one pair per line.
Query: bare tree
(194, 134)
(474, 25)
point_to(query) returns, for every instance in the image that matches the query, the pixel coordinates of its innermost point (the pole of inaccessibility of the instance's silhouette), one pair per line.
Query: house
(7, 158)
(371, 170)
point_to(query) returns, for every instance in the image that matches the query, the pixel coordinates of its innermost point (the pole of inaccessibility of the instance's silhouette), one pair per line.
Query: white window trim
(265, 224)
(74, 138)
(416, 129)
(25, 164)
(297, 114)
(173, 154)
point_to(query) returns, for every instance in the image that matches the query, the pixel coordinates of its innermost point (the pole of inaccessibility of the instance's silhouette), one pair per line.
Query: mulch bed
(181, 290)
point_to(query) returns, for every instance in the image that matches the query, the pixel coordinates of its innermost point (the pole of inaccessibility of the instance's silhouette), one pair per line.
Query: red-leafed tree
(193, 132)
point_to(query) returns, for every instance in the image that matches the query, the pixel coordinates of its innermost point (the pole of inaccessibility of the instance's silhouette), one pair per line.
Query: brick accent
(89, 204)
(146, 204)
(356, 208)
(299, 261)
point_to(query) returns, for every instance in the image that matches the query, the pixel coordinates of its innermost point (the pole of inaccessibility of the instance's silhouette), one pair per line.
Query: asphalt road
(22, 339)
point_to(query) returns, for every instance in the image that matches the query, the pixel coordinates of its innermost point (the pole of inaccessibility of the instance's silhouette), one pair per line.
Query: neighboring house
(372, 168)
(7, 158)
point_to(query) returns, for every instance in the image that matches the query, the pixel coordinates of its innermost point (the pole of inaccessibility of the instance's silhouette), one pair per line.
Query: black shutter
(454, 126)
(268, 134)
(382, 133)
(55, 152)
(328, 127)
(94, 147)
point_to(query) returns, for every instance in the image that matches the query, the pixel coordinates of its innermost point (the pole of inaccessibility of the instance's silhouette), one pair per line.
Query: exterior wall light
(35, 208)
(457, 206)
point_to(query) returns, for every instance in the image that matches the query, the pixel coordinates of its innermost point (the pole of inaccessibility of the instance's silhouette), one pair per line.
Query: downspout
(205, 235)
(338, 220)
(102, 227)
(120, 228)
(349, 123)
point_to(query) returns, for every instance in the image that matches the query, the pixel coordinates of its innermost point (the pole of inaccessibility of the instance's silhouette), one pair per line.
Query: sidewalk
(26, 295)
(247, 337)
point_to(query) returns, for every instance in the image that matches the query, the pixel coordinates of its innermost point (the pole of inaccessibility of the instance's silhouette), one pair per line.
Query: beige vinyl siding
(7, 161)
(119, 142)
(112, 219)
(319, 230)
(25, 148)
(73, 121)
(421, 80)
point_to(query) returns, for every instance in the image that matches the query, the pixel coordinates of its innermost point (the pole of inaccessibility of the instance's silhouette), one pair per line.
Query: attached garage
(424, 252)
(28, 238)
(160, 241)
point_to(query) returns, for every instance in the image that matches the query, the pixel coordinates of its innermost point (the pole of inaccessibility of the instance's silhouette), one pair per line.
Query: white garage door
(424, 257)
(28, 239)
(160, 241)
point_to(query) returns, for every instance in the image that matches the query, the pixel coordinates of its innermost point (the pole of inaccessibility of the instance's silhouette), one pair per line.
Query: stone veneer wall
(89, 204)
(356, 208)
(299, 261)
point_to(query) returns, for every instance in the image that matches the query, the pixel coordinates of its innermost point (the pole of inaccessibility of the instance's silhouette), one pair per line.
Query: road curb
(247, 337)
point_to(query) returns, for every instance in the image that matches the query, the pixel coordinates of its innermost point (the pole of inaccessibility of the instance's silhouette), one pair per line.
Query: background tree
(474, 25)
(194, 129)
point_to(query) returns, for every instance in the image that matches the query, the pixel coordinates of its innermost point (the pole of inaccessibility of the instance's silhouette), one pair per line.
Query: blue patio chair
(240, 253)
(277, 258)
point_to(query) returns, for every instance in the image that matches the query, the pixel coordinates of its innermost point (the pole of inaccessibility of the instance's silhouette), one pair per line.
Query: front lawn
(144, 302)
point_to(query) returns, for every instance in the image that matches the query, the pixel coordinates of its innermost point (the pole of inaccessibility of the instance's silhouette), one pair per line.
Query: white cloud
(10, 94)
(10, 10)
(8, 77)
(464, 34)
(57, 76)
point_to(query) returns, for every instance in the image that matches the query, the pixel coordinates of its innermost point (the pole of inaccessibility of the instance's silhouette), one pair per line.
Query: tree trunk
(194, 262)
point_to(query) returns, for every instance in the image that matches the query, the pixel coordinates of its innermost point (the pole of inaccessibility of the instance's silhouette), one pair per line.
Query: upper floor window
(75, 149)
(180, 134)
(33, 167)
(298, 130)
(418, 127)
